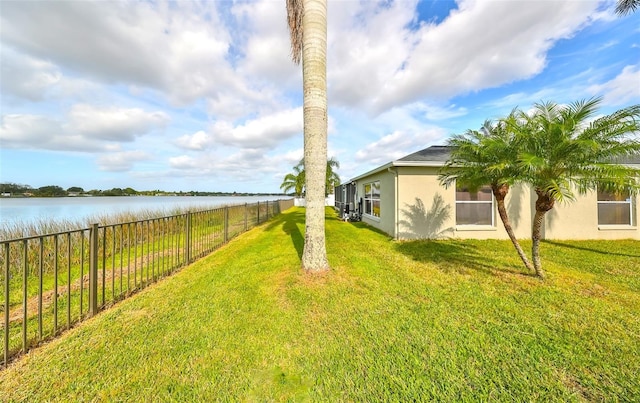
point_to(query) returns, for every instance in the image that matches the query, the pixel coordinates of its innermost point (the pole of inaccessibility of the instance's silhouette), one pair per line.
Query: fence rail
(51, 282)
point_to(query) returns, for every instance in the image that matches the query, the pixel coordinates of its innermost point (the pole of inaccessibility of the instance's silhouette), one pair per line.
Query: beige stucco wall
(577, 220)
(421, 183)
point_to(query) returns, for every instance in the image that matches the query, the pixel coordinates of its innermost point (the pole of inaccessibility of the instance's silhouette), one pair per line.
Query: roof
(433, 154)
(437, 156)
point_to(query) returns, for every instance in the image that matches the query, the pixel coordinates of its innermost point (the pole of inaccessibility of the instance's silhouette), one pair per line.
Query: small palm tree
(333, 179)
(486, 157)
(563, 150)
(294, 181)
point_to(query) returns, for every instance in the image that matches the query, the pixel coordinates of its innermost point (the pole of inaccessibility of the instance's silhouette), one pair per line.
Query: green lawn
(447, 320)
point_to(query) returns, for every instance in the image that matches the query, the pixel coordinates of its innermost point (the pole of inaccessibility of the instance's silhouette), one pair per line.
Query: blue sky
(203, 95)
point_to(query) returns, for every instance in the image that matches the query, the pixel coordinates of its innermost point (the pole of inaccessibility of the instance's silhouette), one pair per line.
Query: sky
(203, 95)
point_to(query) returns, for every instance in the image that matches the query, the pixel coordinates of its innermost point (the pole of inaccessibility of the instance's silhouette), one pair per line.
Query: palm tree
(624, 7)
(333, 179)
(486, 157)
(294, 181)
(564, 151)
(308, 28)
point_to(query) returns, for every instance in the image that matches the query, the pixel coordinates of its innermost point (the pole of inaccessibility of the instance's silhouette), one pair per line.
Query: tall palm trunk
(314, 77)
(500, 193)
(544, 203)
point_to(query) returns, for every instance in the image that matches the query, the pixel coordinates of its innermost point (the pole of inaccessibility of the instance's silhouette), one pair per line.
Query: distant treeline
(16, 190)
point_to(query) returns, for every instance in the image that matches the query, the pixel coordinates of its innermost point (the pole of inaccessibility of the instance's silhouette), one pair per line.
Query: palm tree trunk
(500, 194)
(536, 235)
(544, 203)
(314, 73)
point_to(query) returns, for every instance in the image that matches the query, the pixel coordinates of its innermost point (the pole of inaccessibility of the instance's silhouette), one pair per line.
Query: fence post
(258, 213)
(187, 241)
(245, 217)
(226, 224)
(93, 270)
(6, 303)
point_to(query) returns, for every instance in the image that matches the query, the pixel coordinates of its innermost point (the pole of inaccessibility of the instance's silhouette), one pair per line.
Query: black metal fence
(50, 282)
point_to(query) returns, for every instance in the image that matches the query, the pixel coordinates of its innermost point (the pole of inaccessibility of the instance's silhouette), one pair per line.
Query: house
(405, 199)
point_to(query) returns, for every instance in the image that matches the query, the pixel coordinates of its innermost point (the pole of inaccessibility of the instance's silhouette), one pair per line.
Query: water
(33, 209)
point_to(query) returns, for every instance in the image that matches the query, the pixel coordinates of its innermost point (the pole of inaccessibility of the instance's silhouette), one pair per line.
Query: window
(372, 199)
(474, 208)
(615, 209)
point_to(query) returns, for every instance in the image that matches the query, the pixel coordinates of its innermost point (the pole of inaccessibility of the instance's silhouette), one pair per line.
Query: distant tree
(14, 188)
(113, 192)
(131, 191)
(75, 189)
(624, 7)
(50, 191)
(563, 150)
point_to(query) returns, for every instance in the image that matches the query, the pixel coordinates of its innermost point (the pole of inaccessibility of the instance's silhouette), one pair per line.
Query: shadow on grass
(289, 221)
(588, 249)
(365, 226)
(453, 256)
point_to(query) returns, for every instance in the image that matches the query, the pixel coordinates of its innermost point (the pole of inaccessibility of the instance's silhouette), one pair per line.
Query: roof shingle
(433, 153)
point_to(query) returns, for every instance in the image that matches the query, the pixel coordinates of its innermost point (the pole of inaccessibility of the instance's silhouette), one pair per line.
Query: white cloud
(621, 90)
(368, 43)
(385, 64)
(27, 128)
(121, 161)
(292, 157)
(182, 162)
(245, 165)
(395, 145)
(180, 50)
(34, 132)
(196, 141)
(263, 132)
(26, 77)
(113, 123)
(86, 128)
(436, 112)
(267, 46)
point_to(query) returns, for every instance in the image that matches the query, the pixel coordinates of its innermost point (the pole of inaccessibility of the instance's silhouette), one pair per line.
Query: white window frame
(370, 197)
(629, 201)
(493, 209)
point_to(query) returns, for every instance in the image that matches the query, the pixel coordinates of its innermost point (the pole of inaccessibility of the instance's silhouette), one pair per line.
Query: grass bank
(449, 320)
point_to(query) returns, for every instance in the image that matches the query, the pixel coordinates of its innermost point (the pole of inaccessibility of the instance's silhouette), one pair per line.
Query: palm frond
(295, 10)
(624, 7)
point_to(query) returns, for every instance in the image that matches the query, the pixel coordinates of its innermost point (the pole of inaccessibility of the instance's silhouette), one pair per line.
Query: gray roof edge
(629, 161)
(399, 163)
(371, 172)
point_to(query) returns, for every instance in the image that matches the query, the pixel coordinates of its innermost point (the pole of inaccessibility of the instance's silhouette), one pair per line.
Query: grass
(155, 247)
(392, 321)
